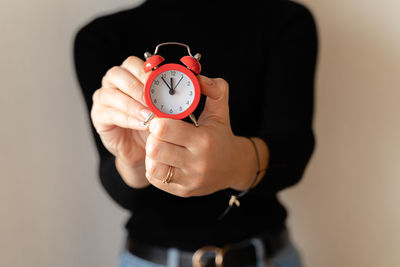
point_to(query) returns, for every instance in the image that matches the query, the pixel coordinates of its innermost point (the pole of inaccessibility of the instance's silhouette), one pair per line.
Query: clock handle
(193, 118)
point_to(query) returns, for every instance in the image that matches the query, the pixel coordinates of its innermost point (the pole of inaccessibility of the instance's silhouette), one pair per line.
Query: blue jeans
(288, 256)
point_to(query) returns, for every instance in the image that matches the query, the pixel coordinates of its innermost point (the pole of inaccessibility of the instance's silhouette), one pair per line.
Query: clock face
(172, 91)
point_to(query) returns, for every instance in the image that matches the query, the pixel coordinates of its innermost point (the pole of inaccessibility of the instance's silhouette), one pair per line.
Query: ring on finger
(170, 174)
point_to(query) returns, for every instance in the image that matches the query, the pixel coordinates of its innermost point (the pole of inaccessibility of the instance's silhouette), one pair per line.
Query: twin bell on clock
(172, 90)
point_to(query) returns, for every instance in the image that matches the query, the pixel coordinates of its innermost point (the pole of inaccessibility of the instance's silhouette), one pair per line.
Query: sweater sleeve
(94, 54)
(286, 125)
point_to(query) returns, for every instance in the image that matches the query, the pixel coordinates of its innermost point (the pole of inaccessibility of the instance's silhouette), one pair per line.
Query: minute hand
(178, 83)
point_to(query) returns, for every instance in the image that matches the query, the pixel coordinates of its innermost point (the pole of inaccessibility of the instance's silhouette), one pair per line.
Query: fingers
(217, 92)
(216, 89)
(159, 170)
(173, 131)
(156, 173)
(167, 153)
(118, 77)
(114, 98)
(159, 157)
(120, 100)
(135, 66)
(105, 116)
(129, 78)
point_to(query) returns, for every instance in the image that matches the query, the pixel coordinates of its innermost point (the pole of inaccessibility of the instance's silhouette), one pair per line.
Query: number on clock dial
(172, 92)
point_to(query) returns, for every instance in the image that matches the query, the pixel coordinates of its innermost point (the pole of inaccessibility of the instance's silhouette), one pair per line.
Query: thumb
(217, 92)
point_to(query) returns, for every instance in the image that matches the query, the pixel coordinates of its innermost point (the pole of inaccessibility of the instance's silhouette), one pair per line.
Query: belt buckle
(201, 252)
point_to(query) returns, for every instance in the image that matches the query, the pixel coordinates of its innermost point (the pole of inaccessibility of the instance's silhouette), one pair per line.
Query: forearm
(133, 176)
(248, 163)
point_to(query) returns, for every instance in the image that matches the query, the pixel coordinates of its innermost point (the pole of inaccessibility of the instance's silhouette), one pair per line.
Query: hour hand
(172, 89)
(166, 83)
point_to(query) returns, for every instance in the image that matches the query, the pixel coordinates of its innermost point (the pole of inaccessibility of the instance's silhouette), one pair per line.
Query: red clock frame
(158, 71)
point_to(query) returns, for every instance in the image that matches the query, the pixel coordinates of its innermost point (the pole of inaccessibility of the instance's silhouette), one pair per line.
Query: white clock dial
(172, 92)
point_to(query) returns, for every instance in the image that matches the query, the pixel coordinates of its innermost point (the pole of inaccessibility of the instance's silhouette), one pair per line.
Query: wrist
(245, 164)
(251, 175)
(250, 163)
(133, 176)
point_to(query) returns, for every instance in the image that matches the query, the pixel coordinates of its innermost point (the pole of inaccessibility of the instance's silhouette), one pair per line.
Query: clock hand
(166, 83)
(171, 89)
(178, 82)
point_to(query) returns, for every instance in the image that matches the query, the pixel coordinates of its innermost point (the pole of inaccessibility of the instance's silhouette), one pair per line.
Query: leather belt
(232, 255)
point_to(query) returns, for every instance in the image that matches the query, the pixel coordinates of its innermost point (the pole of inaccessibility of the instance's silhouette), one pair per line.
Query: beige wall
(53, 210)
(54, 213)
(346, 210)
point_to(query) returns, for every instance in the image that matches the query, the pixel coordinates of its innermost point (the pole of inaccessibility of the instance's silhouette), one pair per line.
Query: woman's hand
(117, 112)
(206, 159)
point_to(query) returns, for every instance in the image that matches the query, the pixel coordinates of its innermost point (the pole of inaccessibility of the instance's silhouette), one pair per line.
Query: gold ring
(169, 176)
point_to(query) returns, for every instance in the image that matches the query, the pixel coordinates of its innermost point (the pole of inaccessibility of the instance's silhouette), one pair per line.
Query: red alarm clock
(172, 90)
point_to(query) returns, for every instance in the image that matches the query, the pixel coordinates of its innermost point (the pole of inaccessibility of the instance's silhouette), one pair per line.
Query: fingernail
(145, 113)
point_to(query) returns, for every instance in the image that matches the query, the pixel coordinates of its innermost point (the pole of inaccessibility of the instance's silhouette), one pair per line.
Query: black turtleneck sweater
(266, 50)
